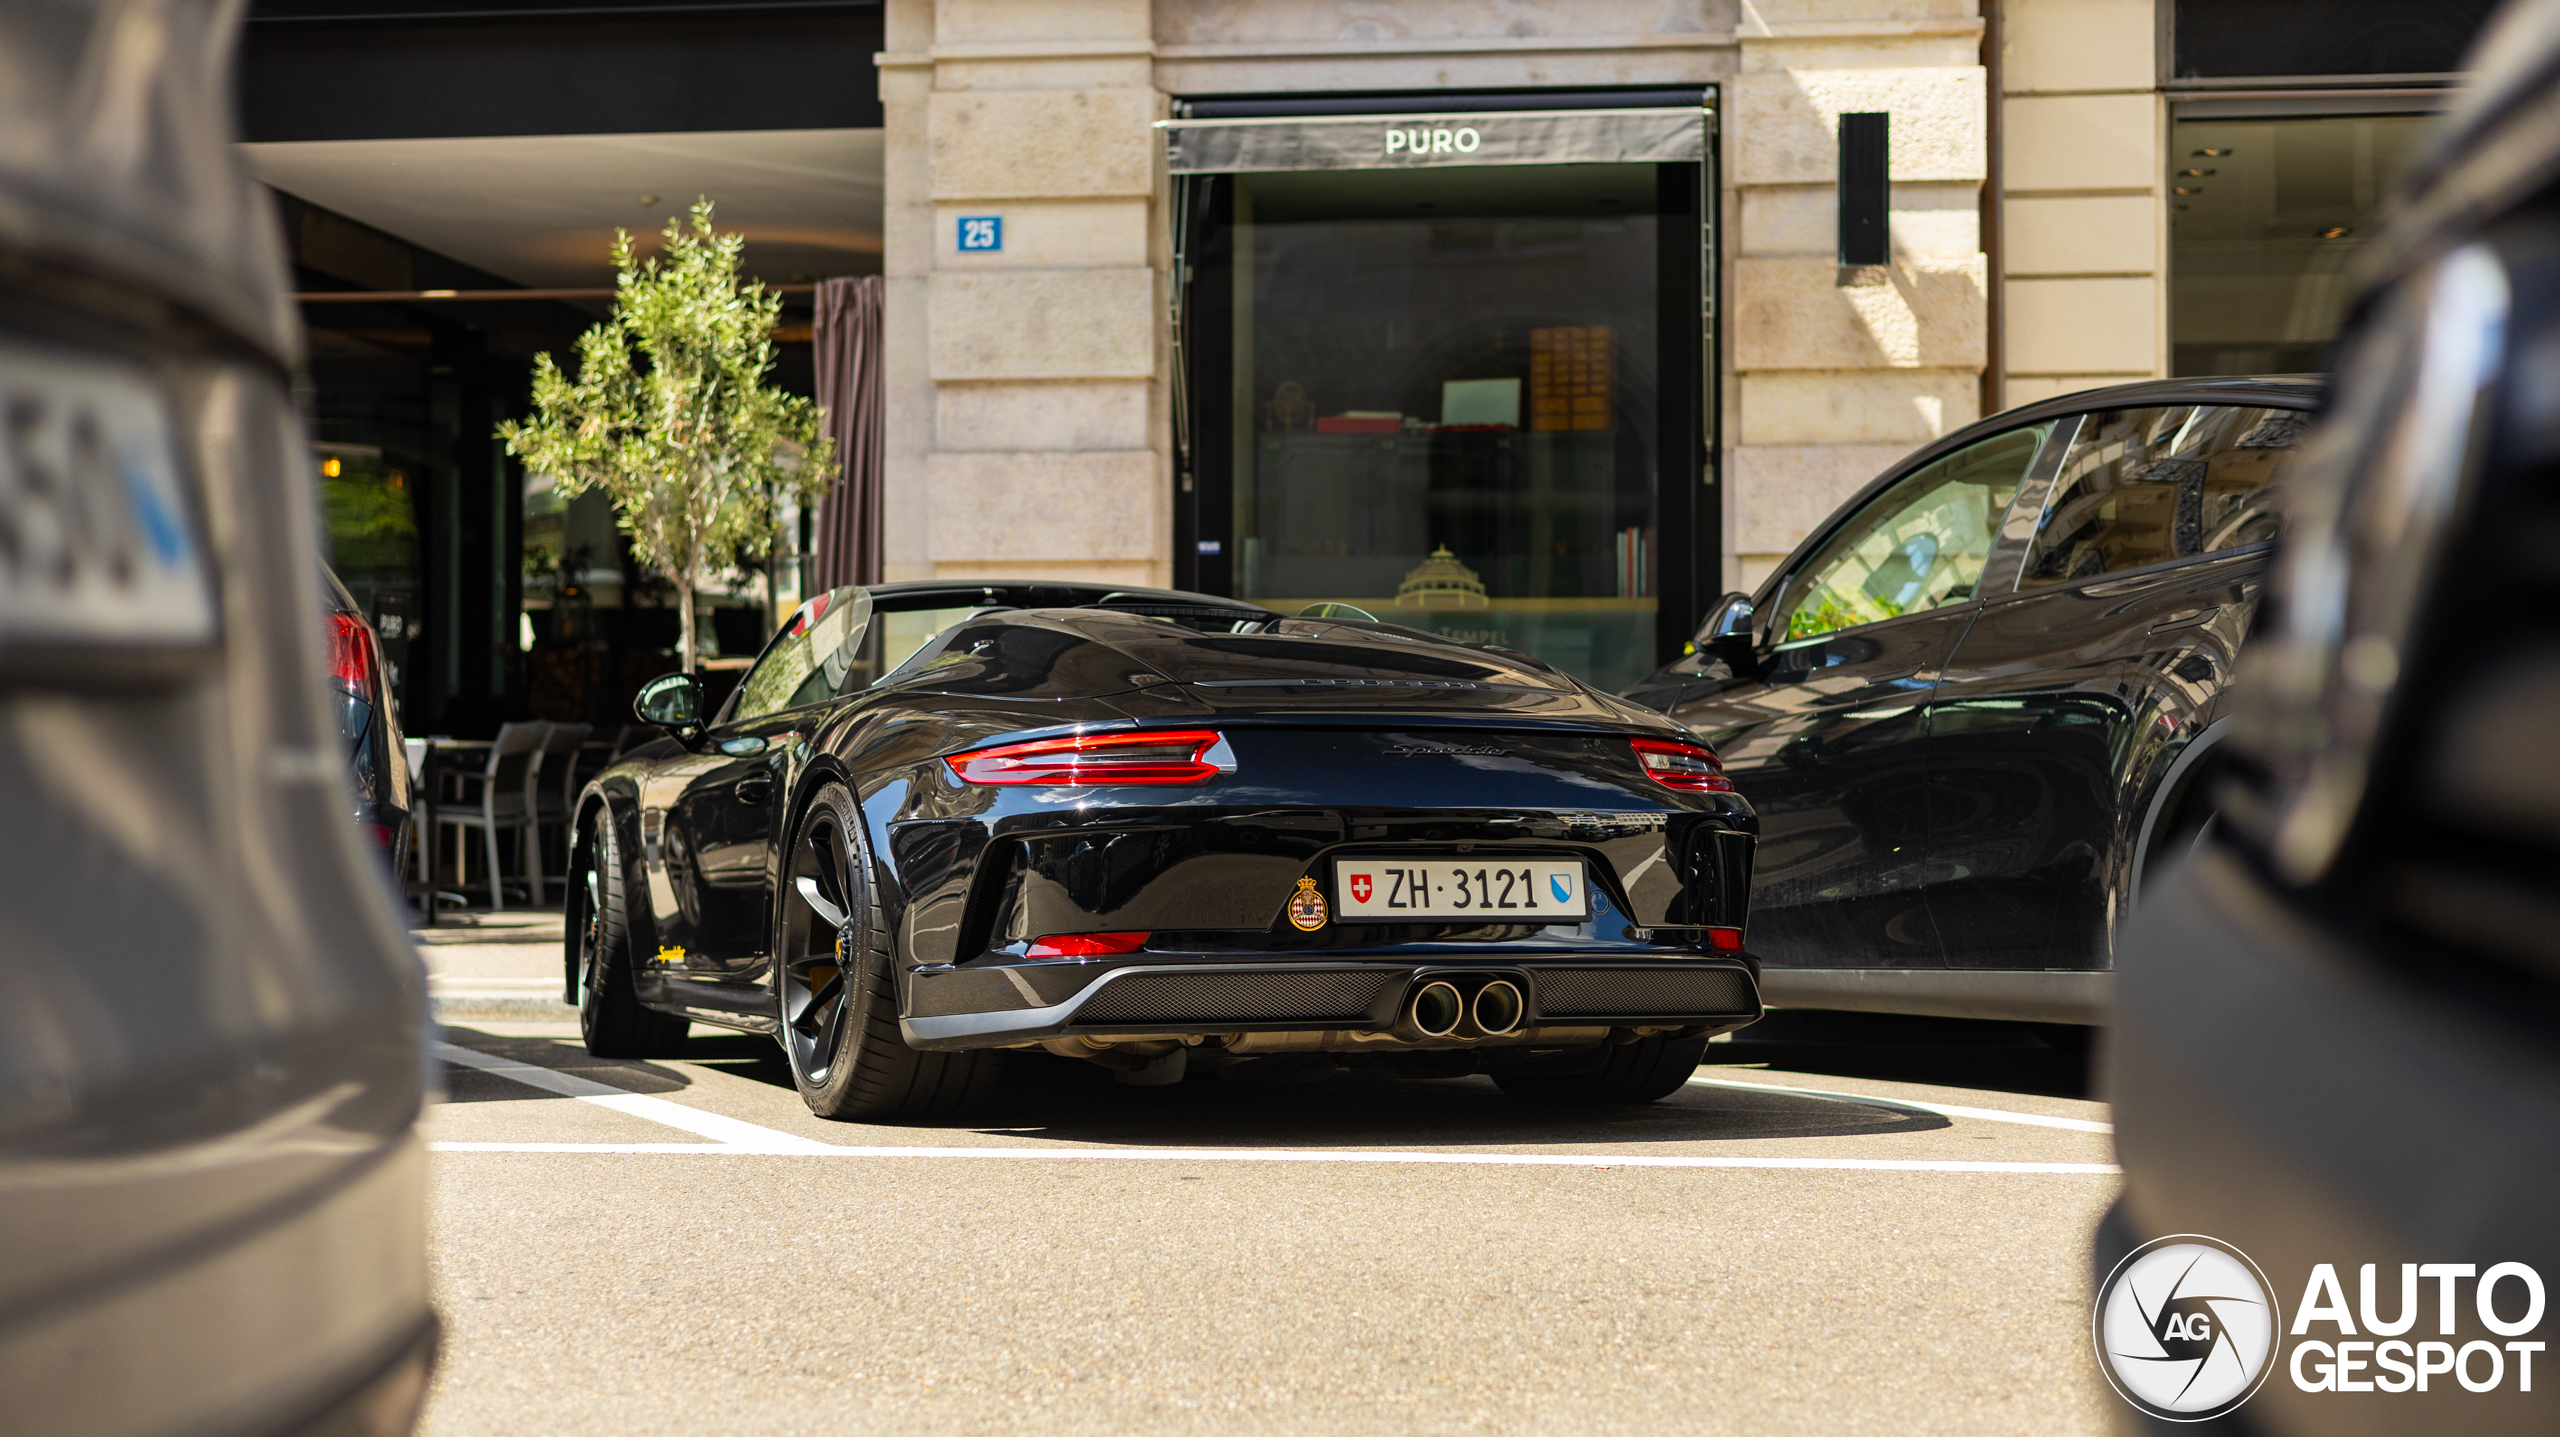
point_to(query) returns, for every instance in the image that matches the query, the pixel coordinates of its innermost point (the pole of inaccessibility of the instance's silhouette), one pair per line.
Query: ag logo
(2186, 1328)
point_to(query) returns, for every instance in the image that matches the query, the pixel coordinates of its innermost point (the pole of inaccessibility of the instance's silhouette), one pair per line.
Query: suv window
(2143, 486)
(1918, 545)
(807, 662)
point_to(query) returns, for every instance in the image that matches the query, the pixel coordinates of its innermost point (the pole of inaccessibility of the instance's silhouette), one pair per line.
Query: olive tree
(670, 416)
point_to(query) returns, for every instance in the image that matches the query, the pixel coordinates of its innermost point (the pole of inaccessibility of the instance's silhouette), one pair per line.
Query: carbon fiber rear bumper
(1251, 997)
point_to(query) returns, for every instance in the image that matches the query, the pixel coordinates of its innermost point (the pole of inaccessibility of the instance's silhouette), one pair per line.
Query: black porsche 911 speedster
(1157, 830)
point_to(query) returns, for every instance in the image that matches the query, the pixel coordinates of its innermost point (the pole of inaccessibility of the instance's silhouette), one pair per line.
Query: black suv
(1982, 703)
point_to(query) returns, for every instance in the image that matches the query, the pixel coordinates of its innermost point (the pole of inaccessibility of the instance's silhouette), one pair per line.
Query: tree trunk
(684, 621)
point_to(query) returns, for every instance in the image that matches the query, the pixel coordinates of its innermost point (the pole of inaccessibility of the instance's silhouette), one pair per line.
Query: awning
(1401, 142)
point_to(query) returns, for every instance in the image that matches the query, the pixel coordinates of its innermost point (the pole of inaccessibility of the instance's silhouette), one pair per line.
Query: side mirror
(1726, 635)
(673, 702)
(1730, 619)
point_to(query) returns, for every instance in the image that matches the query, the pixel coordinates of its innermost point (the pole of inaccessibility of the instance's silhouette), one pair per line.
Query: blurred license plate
(98, 546)
(1540, 889)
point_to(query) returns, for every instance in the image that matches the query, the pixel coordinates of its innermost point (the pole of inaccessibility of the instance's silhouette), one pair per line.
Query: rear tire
(835, 999)
(615, 1023)
(1645, 1071)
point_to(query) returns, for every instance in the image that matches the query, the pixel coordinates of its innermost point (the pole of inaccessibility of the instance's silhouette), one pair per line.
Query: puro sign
(1464, 140)
(1395, 142)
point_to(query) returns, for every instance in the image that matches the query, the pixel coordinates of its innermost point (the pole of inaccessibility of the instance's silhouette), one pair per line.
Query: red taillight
(352, 657)
(377, 834)
(1687, 766)
(1727, 940)
(1192, 756)
(1086, 945)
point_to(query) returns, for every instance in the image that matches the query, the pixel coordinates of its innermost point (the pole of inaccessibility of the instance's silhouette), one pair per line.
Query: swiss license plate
(98, 547)
(1543, 890)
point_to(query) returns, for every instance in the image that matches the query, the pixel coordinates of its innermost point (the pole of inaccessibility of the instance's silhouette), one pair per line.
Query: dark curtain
(850, 388)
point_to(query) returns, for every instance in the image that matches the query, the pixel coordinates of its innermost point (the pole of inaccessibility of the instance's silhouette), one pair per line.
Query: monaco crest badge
(1306, 907)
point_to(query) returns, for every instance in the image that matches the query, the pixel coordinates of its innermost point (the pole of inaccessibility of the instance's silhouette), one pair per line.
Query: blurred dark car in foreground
(1982, 704)
(369, 724)
(2338, 1032)
(211, 1187)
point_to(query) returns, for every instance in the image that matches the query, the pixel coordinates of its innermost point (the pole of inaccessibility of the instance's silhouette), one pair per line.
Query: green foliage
(1828, 613)
(373, 528)
(670, 417)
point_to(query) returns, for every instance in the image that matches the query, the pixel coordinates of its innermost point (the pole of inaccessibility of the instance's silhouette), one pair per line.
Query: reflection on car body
(2335, 1034)
(1980, 704)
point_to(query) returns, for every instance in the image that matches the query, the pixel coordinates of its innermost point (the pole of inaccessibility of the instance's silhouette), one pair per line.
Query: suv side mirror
(1726, 635)
(673, 702)
(1730, 619)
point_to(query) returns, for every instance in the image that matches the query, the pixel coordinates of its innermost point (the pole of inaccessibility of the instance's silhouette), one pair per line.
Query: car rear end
(211, 1185)
(1341, 840)
(369, 725)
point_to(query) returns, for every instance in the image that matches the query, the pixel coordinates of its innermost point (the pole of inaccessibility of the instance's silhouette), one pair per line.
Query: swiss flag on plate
(1359, 888)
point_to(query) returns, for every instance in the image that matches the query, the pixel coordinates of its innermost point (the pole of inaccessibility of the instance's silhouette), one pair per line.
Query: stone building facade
(1036, 409)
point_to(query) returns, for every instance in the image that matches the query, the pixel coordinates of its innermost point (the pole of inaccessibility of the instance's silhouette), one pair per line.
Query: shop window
(1446, 402)
(369, 501)
(2266, 221)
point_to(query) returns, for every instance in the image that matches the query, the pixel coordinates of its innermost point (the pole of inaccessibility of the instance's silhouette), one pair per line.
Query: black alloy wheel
(615, 1023)
(818, 928)
(835, 1002)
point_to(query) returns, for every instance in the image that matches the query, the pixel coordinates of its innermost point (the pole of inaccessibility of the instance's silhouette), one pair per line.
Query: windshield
(809, 661)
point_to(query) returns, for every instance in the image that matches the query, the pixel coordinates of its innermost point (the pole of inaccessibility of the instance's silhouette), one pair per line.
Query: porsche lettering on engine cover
(1023, 823)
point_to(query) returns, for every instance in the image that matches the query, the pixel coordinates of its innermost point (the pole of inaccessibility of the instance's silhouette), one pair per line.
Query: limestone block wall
(1027, 403)
(1837, 372)
(1029, 418)
(2085, 226)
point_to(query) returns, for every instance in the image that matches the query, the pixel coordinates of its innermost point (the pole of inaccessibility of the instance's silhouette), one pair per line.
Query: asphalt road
(1901, 1251)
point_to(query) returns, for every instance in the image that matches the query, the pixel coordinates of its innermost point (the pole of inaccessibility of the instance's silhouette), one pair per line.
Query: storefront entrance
(1453, 371)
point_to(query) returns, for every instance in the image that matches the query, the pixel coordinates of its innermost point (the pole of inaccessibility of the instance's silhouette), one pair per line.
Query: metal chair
(553, 788)
(504, 800)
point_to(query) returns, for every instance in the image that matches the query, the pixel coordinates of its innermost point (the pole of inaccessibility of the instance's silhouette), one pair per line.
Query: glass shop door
(1472, 398)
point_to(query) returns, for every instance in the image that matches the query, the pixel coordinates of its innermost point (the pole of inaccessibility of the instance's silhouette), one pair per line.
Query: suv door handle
(2193, 619)
(755, 788)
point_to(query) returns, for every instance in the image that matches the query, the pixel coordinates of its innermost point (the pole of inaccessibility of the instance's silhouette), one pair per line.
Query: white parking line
(1951, 1110)
(1300, 1155)
(733, 1134)
(736, 1138)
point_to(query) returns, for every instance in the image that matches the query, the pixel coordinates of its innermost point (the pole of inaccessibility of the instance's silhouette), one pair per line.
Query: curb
(499, 1005)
